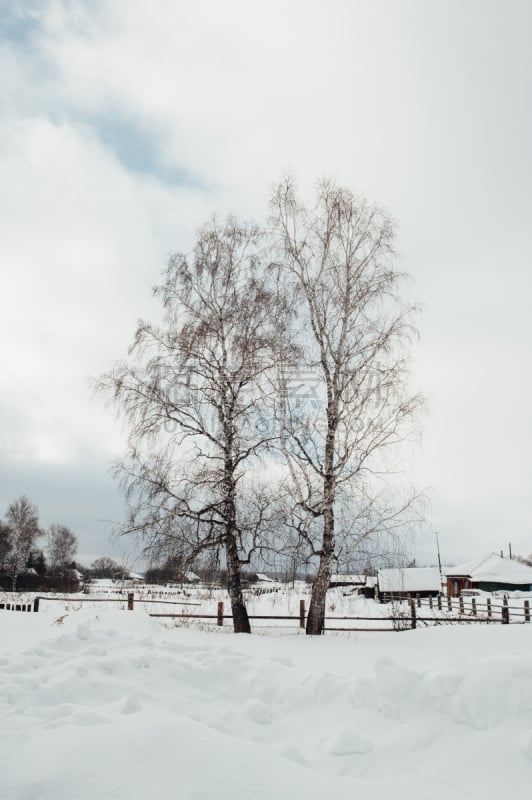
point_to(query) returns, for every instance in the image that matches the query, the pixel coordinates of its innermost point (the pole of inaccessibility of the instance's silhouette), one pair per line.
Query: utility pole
(439, 559)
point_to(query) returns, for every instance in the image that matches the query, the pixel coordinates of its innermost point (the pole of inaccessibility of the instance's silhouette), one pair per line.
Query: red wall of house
(455, 586)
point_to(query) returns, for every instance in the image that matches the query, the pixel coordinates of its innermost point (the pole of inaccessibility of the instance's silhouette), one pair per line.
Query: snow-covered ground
(282, 601)
(109, 704)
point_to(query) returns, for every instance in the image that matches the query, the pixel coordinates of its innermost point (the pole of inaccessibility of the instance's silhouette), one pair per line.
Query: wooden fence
(450, 611)
(220, 616)
(503, 614)
(471, 608)
(129, 600)
(16, 607)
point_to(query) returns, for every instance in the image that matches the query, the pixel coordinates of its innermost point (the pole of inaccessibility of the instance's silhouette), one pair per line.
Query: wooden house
(187, 576)
(492, 573)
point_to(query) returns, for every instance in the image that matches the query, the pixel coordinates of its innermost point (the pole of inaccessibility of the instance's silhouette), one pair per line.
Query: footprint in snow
(347, 742)
(259, 712)
(131, 705)
(291, 752)
(88, 718)
(83, 632)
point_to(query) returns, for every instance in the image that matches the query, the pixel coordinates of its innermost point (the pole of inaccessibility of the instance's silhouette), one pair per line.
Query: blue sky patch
(137, 149)
(18, 24)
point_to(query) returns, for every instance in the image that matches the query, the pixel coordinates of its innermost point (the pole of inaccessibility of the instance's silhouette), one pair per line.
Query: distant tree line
(24, 564)
(35, 559)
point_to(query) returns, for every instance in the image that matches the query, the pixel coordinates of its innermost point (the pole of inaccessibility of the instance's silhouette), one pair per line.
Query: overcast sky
(124, 123)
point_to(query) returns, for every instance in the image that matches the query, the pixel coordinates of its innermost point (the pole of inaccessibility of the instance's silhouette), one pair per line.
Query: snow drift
(114, 705)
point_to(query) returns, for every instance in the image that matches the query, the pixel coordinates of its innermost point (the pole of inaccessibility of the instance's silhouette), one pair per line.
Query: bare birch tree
(23, 521)
(62, 549)
(105, 567)
(193, 395)
(5, 544)
(336, 261)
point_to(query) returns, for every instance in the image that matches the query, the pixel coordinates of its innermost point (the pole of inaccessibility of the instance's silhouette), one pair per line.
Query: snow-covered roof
(191, 576)
(77, 574)
(361, 579)
(493, 569)
(262, 577)
(410, 579)
(135, 576)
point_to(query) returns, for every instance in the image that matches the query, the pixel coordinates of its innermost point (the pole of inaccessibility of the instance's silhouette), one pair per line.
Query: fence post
(505, 611)
(461, 601)
(527, 611)
(36, 604)
(413, 612)
(418, 601)
(220, 620)
(474, 606)
(449, 604)
(130, 601)
(301, 613)
(439, 602)
(488, 603)
(430, 601)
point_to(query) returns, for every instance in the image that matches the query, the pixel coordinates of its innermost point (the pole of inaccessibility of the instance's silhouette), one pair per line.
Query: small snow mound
(292, 753)
(444, 684)
(259, 712)
(96, 650)
(131, 705)
(83, 632)
(491, 693)
(347, 742)
(526, 745)
(284, 660)
(400, 690)
(89, 718)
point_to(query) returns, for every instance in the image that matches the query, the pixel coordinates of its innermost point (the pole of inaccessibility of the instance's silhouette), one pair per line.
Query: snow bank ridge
(92, 691)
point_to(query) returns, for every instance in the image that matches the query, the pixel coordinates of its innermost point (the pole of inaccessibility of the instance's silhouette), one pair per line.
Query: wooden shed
(339, 579)
(359, 584)
(402, 583)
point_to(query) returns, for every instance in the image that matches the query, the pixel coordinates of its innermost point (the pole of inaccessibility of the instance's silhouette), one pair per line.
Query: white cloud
(422, 107)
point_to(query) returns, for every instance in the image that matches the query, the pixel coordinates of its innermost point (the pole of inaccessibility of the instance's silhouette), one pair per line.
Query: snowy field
(109, 704)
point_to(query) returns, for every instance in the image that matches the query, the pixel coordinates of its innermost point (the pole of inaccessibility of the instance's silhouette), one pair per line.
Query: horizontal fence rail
(446, 611)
